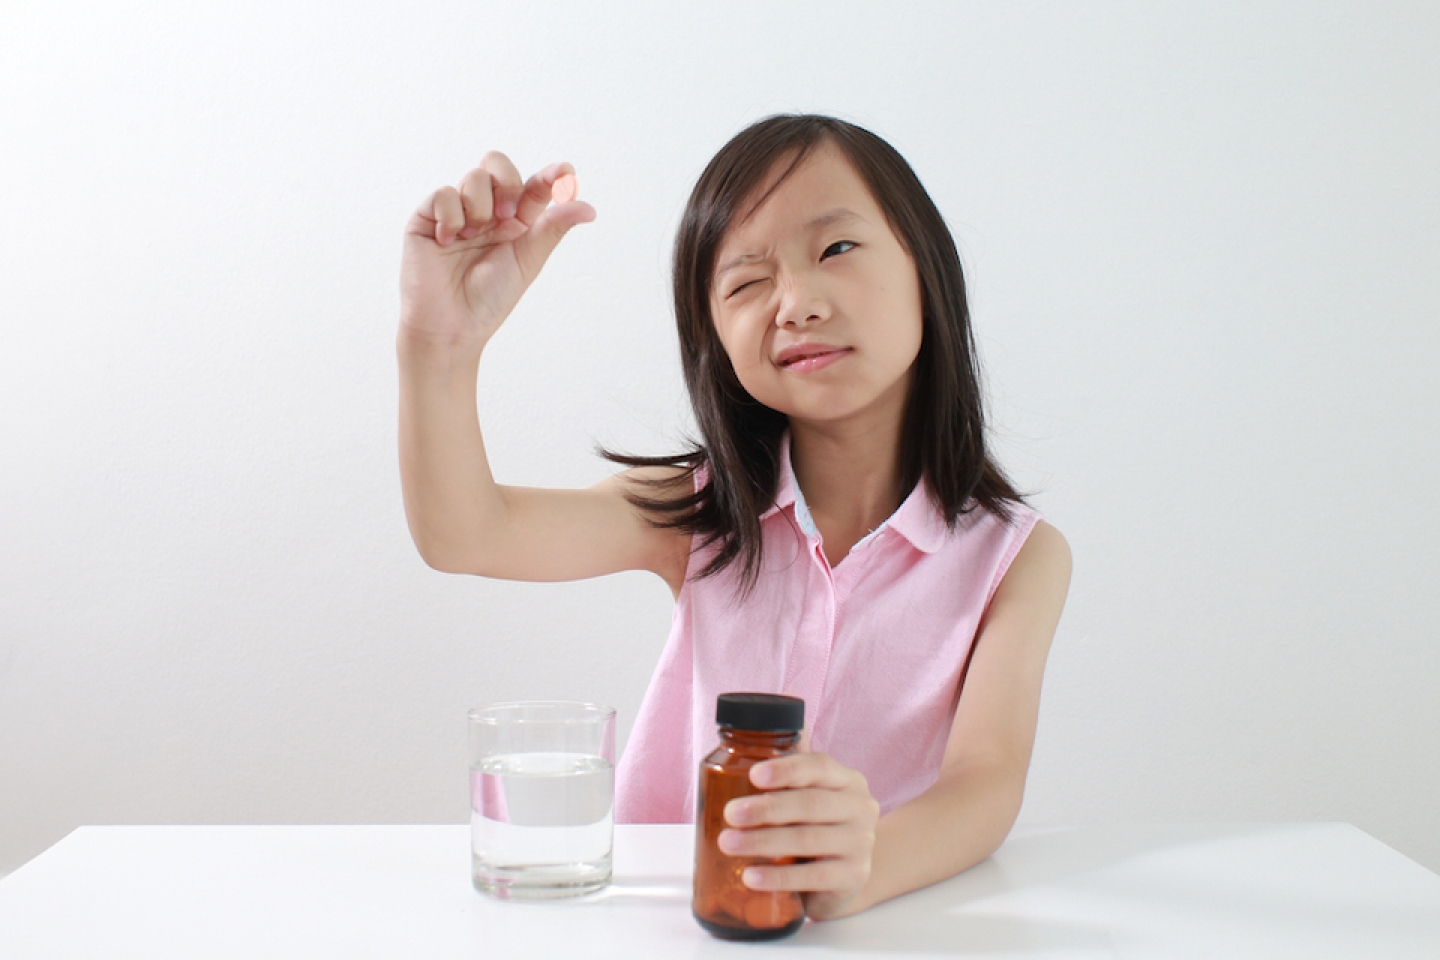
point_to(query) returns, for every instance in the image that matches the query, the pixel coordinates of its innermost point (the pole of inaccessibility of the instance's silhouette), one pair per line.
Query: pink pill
(565, 188)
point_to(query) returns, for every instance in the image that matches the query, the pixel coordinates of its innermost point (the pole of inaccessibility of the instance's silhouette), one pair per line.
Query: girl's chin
(831, 416)
(836, 405)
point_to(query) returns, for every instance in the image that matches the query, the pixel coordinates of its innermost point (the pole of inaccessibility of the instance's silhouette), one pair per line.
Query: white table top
(1308, 891)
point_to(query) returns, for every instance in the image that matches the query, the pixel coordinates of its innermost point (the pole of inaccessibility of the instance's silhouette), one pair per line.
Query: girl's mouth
(805, 358)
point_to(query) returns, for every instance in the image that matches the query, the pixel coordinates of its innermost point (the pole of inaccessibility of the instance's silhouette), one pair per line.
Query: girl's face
(815, 300)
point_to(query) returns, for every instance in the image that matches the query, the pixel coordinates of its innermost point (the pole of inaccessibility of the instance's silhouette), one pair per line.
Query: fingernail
(505, 210)
(737, 812)
(751, 877)
(728, 841)
(760, 776)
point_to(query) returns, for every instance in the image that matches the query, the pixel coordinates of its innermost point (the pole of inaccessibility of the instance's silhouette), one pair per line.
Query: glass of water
(542, 788)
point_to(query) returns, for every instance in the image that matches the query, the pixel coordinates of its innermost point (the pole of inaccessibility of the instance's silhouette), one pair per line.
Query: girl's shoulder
(1038, 577)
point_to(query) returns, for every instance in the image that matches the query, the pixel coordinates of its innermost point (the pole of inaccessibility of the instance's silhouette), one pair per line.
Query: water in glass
(541, 823)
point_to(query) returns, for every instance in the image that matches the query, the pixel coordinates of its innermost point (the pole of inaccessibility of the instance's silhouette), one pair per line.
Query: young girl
(840, 533)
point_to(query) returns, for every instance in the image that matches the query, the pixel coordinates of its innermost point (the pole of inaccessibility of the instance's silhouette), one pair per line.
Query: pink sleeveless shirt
(874, 646)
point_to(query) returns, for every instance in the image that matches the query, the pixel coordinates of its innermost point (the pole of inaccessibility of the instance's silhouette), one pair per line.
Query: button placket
(810, 655)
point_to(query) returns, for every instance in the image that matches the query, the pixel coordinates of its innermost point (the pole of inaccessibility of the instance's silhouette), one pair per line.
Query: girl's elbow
(433, 559)
(1004, 794)
(440, 556)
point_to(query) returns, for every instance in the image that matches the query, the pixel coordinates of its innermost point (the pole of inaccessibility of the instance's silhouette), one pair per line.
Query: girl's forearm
(954, 825)
(451, 498)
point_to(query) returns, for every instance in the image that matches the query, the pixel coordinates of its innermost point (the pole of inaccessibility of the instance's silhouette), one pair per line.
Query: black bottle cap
(761, 712)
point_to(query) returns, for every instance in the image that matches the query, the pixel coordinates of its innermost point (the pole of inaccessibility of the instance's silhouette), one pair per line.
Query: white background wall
(1204, 247)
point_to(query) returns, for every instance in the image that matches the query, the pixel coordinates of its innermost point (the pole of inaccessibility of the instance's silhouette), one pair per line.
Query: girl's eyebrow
(739, 261)
(826, 219)
(829, 217)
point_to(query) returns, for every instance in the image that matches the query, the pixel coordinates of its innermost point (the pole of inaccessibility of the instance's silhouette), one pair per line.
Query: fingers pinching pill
(565, 188)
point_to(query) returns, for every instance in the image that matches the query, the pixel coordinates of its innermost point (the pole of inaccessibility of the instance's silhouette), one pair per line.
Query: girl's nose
(801, 304)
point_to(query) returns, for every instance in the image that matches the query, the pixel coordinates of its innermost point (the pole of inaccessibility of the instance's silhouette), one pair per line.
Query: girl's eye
(739, 288)
(838, 247)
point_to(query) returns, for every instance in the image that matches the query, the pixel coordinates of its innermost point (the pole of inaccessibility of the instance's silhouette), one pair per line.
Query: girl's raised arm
(469, 254)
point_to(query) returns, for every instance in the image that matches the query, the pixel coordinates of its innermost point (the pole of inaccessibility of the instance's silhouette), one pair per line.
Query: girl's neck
(850, 475)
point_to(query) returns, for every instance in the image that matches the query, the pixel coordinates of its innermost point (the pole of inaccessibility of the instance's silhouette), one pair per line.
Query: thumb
(544, 235)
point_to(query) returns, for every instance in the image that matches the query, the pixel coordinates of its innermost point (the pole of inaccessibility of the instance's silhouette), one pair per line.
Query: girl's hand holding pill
(471, 251)
(816, 809)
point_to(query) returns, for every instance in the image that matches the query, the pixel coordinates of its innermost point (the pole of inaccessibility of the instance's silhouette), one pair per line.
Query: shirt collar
(785, 491)
(916, 519)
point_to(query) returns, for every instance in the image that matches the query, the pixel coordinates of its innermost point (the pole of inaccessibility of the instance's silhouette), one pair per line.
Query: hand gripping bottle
(753, 727)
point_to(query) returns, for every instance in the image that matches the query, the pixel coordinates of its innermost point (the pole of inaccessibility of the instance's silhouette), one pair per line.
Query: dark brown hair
(943, 434)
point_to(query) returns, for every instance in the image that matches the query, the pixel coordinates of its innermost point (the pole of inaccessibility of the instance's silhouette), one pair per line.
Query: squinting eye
(834, 250)
(739, 288)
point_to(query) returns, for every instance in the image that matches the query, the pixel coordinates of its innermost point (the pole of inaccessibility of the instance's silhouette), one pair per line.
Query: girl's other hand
(814, 808)
(471, 251)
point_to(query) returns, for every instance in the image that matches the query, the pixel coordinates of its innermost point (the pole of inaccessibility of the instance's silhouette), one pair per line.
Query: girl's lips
(808, 360)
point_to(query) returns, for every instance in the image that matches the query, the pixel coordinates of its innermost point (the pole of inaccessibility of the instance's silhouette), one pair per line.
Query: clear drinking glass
(542, 789)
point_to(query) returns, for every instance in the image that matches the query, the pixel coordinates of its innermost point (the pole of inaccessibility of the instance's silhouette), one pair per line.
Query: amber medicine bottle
(753, 727)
